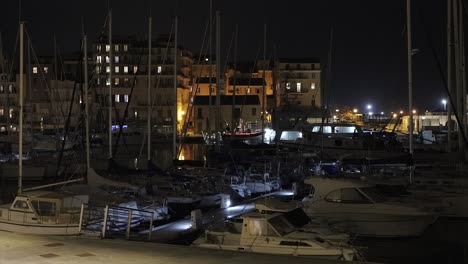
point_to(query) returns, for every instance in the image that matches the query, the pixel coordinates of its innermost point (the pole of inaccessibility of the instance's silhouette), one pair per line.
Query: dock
(20, 248)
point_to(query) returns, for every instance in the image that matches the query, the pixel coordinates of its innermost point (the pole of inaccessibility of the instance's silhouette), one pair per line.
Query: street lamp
(369, 107)
(381, 113)
(337, 110)
(355, 110)
(444, 102)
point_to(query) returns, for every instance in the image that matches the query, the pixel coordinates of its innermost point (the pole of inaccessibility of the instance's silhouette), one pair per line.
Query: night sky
(369, 46)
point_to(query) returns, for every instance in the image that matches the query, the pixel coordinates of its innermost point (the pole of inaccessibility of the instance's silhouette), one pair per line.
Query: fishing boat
(43, 213)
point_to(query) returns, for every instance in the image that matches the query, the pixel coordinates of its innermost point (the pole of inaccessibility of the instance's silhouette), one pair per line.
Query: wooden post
(129, 224)
(104, 225)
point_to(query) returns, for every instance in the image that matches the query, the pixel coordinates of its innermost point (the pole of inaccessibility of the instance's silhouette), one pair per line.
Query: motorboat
(271, 234)
(360, 208)
(43, 213)
(337, 140)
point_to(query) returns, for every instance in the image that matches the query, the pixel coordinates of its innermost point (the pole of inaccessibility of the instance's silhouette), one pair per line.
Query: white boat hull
(40, 229)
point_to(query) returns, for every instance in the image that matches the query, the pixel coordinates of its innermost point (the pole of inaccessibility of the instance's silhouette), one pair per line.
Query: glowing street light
(414, 111)
(369, 107)
(370, 113)
(394, 115)
(444, 102)
(355, 110)
(337, 110)
(382, 113)
(401, 112)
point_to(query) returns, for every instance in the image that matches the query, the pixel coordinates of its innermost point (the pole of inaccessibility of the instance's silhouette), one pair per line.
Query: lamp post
(444, 102)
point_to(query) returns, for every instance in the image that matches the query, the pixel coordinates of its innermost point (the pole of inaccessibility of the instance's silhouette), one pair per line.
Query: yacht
(357, 207)
(43, 213)
(271, 234)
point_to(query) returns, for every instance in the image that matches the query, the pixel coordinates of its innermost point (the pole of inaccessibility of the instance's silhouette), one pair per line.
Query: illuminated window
(288, 86)
(11, 89)
(248, 90)
(312, 86)
(117, 98)
(107, 69)
(46, 69)
(98, 59)
(159, 69)
(107, 59)
(117, 69)
(116, 59)
(98, 48)
(107, 81)
(2, 112)
(117, 81)
(135, 69)
(107, 48)
(125, 69)
(35, 70)
(11, 113)
(125, 47)
(126, 81)
(2, 89)
(98, 81)
(126, 98)
(298, 87)
(98, 69)
(116, 47)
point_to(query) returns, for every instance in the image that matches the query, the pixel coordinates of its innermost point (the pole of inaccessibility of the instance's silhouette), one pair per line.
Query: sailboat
(45, 213)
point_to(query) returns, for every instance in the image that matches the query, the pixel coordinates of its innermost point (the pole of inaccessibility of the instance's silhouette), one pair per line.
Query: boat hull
(40, 229)
(376, 225)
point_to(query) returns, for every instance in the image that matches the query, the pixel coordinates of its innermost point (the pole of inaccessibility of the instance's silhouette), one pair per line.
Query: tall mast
(174, 119)
(410, 79)
(218, 74)
(463, 78)
(110, 84)
(149, 90)
(263, 82)
(21, 84)
(85, 87)
(449, 74)
(233, 129)
(210, 40)
(458, 85)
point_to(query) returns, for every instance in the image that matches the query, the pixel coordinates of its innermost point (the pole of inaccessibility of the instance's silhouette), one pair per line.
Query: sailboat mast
(263, 82)
(21, 84)
(110, 84)
(149, 90)
(218, 75)
(210, 41)
(410, 77)
(174, 119)
(85, 87)
(233, 123)
(449, 74)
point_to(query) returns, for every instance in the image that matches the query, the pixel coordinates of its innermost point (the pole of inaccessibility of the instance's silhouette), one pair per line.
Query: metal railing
(115, 222)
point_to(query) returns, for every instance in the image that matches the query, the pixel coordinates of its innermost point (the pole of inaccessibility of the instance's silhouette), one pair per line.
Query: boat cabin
(44, 207)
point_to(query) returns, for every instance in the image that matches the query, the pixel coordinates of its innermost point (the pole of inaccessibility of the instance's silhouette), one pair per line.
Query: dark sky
(369, 46)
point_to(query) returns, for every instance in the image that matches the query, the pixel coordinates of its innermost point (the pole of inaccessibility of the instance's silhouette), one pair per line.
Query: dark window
(254, 111)
(294, 244)
(199, 113)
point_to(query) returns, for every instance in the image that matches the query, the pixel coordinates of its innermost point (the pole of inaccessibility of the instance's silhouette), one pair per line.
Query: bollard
(129, 224)
(197, 219)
